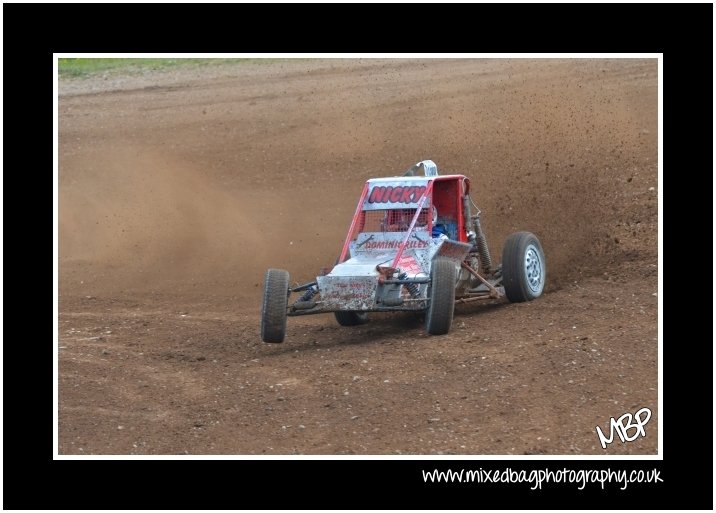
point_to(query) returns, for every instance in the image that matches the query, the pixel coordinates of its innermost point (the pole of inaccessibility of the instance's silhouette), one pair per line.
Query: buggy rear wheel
(351, 318)
(441, 292)
(523, 267)
(273, 308)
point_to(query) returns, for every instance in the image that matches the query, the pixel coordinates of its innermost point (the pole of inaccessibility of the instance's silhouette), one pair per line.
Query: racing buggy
(415, 244)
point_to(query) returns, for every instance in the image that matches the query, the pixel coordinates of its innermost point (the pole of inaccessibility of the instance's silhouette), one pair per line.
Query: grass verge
(87, 67)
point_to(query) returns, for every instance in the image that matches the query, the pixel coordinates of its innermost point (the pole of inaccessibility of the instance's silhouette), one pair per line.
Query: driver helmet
(424, 216)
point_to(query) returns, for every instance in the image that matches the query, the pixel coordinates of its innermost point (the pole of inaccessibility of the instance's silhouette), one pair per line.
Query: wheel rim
(533, 269)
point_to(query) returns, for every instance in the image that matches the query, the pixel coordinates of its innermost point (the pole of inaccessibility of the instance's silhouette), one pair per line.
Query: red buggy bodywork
(445, 193)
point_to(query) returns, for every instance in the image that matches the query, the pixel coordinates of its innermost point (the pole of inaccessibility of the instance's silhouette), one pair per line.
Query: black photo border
(33, 32)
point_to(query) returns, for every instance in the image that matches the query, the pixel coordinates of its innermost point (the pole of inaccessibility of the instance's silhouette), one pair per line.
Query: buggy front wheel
(273, 308)
(441, 292)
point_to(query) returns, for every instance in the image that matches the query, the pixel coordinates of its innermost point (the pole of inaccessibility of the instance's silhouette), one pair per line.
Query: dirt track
(177, 190)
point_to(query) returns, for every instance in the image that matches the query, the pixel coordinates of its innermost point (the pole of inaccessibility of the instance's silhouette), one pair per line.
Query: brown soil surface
(177, 190)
